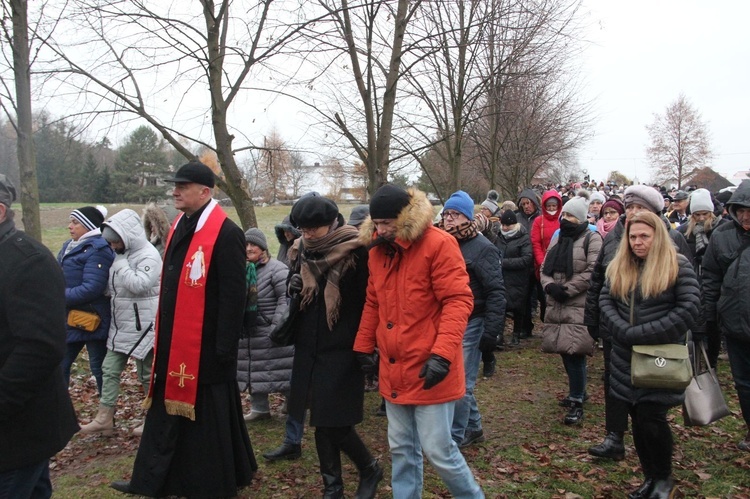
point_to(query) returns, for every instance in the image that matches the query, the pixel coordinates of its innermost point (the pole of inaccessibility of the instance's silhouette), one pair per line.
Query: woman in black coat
(329, 271)
(650, 297)
(514, 244)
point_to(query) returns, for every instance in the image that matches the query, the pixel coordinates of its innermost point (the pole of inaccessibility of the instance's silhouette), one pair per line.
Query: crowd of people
(394, 298)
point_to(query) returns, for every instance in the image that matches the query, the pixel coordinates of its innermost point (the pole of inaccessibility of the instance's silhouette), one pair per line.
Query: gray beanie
(255, 236)
(577, 207)
(700, 200)
(110, 235)
(646, 196)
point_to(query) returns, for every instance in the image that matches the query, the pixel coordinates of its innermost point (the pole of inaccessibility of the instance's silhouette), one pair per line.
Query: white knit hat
(576, 207)
(700, 200)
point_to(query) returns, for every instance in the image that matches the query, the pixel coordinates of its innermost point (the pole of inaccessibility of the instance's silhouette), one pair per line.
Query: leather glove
(295, 284)
(593, 332)
(557, 292)
(368, 362)
(434, 371)
(487, 343)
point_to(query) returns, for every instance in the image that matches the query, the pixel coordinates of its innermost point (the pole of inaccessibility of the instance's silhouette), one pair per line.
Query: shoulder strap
(586, 241)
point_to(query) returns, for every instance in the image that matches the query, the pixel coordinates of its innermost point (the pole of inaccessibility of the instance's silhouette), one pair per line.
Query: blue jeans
(97, 350)
(414, 428)
(575, 366)
(29, 482)
(739, 361)
(294, 431)
(467, 415)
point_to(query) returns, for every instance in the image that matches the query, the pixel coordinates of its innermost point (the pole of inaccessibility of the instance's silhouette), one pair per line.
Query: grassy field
(529, 452)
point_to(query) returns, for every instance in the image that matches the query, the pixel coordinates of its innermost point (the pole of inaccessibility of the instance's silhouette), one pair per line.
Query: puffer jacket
(543, 229)
(662, 319)
(418, 304)
(516, 257)
(133, 287)
(726, 272)
(86, 271)
(524, 219)
(262, 364)
(564, 331)
(607, 253)
(284, 244)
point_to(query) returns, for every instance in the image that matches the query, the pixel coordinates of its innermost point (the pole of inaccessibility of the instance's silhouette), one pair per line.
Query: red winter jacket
(543, 227)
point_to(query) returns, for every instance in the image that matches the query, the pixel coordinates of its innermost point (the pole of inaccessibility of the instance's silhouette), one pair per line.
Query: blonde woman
(650, 296)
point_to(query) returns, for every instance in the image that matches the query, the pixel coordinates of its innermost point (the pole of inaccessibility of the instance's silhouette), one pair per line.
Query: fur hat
(491, 202)
(508, 205)
(313, 210)
(644, 195)
(597, 196)
(89, 216)
(7, 191)
(462, 203)
(359, 214)
(578, 207)
(700, 200)
(255, 236)
(388, 201)
(508, 218)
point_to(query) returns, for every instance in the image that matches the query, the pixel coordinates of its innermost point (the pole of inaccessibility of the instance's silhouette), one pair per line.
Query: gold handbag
(85, 321)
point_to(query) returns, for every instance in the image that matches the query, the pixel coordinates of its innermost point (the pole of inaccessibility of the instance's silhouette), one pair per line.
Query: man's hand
(557, 292)
(368, 362)
(434, 371)
(295, 284)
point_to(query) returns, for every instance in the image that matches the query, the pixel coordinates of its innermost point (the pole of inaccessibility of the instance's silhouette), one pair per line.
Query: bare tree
(680, 142)
(298, 174)
(127, 52)
(274, 165)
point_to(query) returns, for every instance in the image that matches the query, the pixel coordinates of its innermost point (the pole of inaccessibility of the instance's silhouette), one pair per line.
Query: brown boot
(103, 423)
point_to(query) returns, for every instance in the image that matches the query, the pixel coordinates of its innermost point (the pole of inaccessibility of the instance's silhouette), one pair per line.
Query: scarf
(605, 227)
(466, 230)
(181, 385)
(73, 244)
(560, 256)
(507, 234)
(701, 238)
(251, 278)
(328, 257)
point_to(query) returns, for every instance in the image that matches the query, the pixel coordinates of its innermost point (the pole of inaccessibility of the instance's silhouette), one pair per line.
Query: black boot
(662, 489)
(286, 451)
(643, 491)
(330, 466)
(611, 448)
(370, 472)
(121, 486)
(369, 478)
(575, 414)
(515, 340)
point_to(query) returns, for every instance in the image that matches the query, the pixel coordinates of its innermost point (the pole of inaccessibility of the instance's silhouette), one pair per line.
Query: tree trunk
(25, 144)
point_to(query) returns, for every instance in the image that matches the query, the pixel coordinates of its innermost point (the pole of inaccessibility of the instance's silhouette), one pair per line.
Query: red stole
(187, 329)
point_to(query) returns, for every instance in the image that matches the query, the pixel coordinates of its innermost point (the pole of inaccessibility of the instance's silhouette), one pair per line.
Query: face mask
(552, 212)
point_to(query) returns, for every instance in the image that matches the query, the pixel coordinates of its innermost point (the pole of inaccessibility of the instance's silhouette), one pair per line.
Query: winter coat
(524, 219)
(662, 319)
(326, 374)
(516, 258)
(86, 271)
(543, 228)
(607, 253)
(267, 367)
(564, 330)
(36, 416)
(486, 282)
(284, 245)
(418, 304)
(133, 287)
(726, 272)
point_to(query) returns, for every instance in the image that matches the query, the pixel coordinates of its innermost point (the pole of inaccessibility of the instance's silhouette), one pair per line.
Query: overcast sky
(642, 54)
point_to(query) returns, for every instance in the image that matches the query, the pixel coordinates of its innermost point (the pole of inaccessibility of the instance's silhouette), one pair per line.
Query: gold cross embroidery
(182, 375)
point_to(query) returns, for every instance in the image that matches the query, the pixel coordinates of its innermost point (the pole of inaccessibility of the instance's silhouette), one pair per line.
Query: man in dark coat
(36, 416)
(195, 441)
(726, 292)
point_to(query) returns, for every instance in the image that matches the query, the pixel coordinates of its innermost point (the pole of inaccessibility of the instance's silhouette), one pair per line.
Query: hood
(411, 223)
(128, 226)
(285, 225)
(555, 195)
(155, 223)
(740, 197)
(528, 193)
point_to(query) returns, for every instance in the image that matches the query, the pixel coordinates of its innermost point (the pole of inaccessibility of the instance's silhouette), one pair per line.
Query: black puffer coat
(726, 272)
(607, 253)
(662, 319)
(486, 282)
(517, 260)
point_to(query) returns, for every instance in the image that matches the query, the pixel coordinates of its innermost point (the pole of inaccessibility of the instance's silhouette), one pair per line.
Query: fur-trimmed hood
(411, 223)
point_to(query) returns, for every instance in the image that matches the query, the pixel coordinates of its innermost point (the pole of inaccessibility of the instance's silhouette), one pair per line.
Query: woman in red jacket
(541, 234)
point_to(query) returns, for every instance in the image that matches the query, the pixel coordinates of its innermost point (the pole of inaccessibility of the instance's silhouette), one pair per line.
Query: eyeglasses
(451, 214)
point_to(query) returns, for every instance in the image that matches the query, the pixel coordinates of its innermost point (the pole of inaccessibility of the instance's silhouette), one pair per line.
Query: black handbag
(284, 334)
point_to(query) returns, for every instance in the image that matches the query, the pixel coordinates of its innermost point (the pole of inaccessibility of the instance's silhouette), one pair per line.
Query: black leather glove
(434, 371)
(557, 292)
(295, 284)
(368, 362)
(593, 332)
(487, 343)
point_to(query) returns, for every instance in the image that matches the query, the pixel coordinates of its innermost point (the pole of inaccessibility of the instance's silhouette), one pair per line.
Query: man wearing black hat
(35, 410)
(679, 215)
(195, 441)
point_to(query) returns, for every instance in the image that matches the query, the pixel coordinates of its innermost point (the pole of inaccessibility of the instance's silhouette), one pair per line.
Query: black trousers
(653, 439)
(615, 410)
